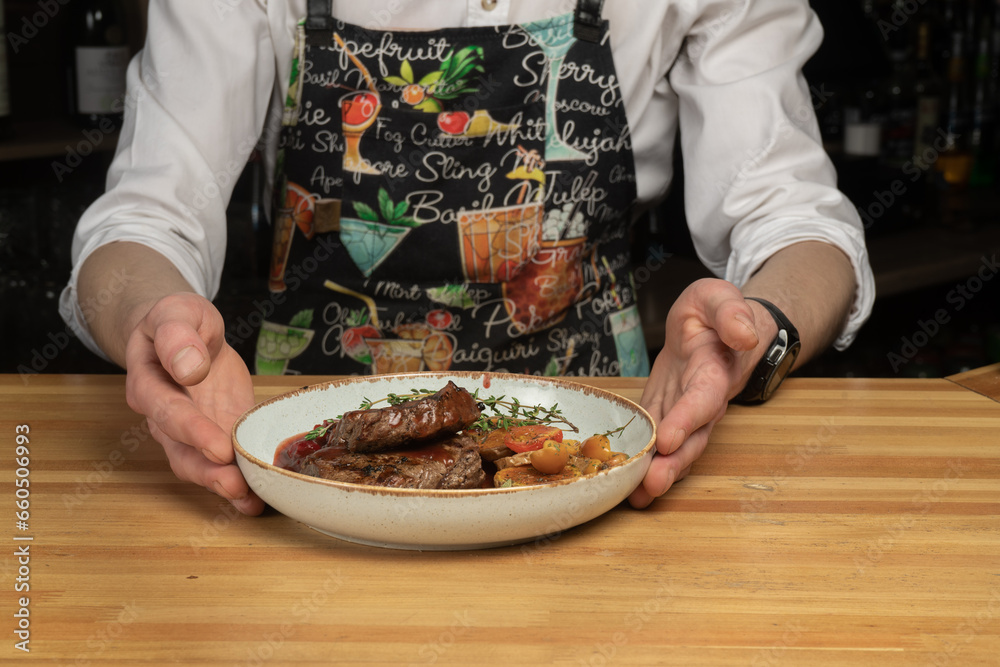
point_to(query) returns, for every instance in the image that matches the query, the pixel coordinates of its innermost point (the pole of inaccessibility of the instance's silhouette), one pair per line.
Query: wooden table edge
(984, 381)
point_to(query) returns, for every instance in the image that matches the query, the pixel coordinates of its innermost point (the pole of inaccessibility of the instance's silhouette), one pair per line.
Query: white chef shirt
(212, 79)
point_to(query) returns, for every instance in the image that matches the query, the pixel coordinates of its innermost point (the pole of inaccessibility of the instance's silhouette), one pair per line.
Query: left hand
(711, 336)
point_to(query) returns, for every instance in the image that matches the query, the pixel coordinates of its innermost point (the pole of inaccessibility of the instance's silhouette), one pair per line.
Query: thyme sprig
(508, 413)
(320, 430)
(617, 432)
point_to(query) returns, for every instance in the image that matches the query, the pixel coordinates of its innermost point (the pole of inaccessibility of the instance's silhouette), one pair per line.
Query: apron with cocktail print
(456, 199)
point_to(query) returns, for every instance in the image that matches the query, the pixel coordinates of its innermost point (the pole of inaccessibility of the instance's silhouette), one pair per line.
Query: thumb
(731, 316)
(187, 332)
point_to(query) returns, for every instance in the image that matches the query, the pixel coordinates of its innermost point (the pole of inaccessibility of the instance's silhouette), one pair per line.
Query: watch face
(781, 370)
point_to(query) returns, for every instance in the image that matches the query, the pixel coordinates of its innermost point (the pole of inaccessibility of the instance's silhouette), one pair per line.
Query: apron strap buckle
(320, 15)
(588, 25)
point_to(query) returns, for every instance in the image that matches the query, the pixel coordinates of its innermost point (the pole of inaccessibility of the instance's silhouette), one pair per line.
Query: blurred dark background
(906, 92)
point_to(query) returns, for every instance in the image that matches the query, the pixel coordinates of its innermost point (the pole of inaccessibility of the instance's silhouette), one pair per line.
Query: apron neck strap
(588, 26)
(320, 15)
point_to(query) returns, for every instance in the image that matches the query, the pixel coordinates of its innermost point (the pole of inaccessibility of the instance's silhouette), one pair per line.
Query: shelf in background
(54, 138)
(919, 258)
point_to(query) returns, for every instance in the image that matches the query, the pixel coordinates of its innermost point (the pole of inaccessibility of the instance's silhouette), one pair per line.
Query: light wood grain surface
(845, 522)
(985, 381)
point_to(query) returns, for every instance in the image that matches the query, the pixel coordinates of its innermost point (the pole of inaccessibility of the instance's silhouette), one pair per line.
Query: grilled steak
(450, 463)
(448, 411)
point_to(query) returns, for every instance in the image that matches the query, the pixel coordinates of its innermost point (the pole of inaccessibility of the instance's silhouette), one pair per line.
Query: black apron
(456, 199)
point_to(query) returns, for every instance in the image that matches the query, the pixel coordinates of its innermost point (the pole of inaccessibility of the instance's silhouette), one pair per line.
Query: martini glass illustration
(555, 39)
(360, 110)
(369, 243)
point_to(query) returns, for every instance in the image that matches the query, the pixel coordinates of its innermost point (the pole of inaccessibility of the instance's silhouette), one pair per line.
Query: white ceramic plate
(441, 519)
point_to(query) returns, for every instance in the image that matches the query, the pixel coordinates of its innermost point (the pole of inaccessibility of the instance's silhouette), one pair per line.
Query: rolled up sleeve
(757, 179)
(197, 100)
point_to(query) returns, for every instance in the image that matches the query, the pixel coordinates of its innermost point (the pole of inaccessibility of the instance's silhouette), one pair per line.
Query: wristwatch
(777, 361)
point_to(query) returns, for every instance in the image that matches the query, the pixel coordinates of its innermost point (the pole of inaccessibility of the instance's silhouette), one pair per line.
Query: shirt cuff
(766, 242)
(74, 314)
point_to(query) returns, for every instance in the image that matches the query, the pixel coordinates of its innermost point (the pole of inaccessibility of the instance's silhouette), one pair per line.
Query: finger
(168, 407)
(655, 390)
(664, 471)
(151, 391)
(187, 332)
(702, 402)
(224, 480)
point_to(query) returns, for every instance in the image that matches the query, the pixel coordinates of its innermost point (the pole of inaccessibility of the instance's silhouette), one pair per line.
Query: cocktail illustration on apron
(454, 199)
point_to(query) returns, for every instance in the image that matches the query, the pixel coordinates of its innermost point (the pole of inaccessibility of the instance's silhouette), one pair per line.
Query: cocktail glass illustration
(369, 243)
(497, 242)
(437, 347)
(359, 111)
(629, 342)
(555, 37)
(548, 285)
(277, 344)
(393, 355)
(437, 350)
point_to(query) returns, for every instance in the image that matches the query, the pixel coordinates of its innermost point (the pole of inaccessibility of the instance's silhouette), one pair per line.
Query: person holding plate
(454, 186)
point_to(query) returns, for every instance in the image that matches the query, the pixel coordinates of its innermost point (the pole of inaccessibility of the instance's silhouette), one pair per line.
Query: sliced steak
(447, 411)
(449, 463)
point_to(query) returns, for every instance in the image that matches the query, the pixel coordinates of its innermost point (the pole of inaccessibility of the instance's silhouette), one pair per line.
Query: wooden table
(845, 522)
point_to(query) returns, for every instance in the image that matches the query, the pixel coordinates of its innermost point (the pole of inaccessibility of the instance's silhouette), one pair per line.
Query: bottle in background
(901, 108)
(5, 129)
(101, 56)
(955, 162)
(864, 117)
(984, 107)
(928, 88)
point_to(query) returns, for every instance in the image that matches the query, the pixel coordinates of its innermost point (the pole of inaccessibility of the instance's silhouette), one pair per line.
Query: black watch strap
(785, 346)
(779, 317)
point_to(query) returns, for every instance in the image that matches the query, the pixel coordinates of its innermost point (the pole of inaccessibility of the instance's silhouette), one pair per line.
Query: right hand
(191, 386)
